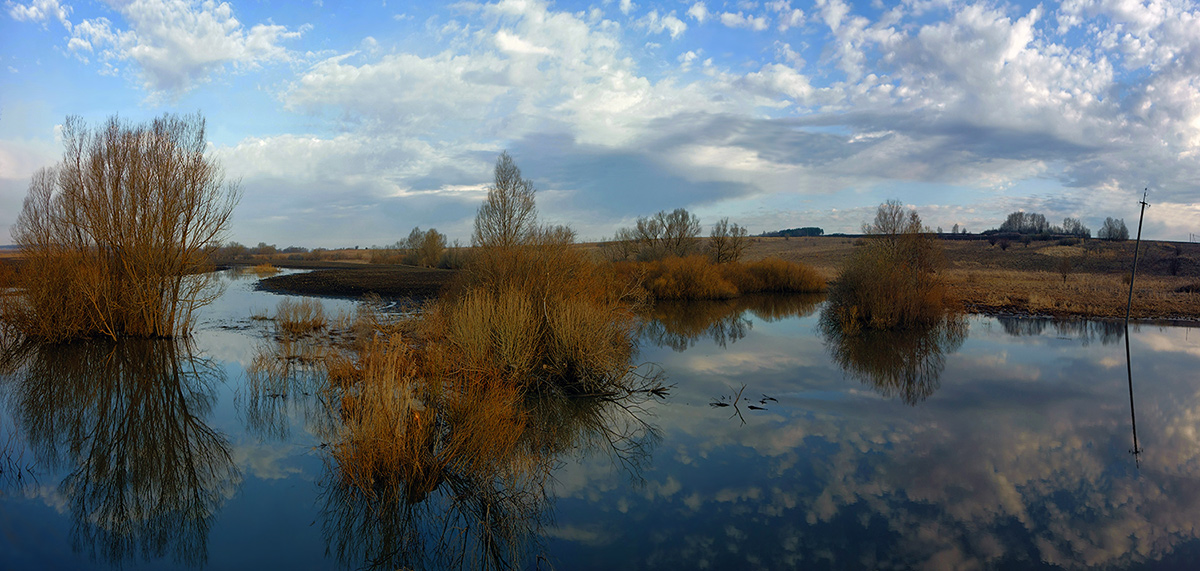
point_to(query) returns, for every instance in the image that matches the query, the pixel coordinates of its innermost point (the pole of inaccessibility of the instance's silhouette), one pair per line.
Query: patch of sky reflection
(1014, 454)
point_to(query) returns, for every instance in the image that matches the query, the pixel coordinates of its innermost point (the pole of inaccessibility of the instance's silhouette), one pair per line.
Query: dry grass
(1081, 295)
(265, 270)
(300, 316)
(698, 278)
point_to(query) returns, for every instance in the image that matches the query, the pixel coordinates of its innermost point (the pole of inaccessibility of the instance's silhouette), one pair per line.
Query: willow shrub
(116, 235)
(540, 314)
(891, 280)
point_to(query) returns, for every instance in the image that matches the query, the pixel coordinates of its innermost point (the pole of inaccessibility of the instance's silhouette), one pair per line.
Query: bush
(774, 275)
(117, 236)
(692, 277)
(891, 282)
(697, 278)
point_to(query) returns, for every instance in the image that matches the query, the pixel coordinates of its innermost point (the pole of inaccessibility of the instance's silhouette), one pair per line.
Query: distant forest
(794, 232)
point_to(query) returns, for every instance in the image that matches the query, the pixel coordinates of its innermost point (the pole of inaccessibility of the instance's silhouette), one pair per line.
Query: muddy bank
(386, 281)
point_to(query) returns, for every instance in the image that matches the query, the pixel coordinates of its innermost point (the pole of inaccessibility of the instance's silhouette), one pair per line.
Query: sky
(351, 123)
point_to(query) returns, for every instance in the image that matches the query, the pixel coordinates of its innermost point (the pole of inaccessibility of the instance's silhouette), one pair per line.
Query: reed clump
(265, 270)
(541, 315)
(300, 316)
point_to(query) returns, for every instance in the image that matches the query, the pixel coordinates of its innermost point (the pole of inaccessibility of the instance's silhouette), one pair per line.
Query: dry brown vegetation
(891, 279)
(300, 316)
(698, 278)
(448, 393)
(1028, 280)
(265, 270)
(115, 237)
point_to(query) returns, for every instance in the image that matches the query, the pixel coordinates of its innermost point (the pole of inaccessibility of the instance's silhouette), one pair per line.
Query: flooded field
(982, 442)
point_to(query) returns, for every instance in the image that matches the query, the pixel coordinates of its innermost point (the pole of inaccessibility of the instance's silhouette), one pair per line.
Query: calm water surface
(987, 443)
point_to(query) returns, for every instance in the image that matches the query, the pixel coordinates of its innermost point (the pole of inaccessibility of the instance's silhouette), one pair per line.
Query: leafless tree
(116, 234)
(508, 217)
(727, 241)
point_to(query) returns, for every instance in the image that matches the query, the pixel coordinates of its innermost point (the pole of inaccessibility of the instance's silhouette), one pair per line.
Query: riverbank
(1020, 279)
(1084, 280)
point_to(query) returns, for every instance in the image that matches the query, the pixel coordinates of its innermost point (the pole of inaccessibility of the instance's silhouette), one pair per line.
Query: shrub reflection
(147, 474)
(428, 469)
(905, 364)
(680, 325)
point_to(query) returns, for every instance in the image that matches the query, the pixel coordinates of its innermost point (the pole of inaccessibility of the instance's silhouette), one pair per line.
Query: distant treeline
(794, 232)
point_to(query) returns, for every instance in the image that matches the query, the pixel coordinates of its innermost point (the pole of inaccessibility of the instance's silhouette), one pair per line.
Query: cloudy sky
(350, 123)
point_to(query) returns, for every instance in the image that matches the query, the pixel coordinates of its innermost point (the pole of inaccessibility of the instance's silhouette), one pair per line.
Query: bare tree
(1113, 229)
(727, 241)
(508, 217)
(890, 220)
(679, 231)
(623, 246)
(117, 233)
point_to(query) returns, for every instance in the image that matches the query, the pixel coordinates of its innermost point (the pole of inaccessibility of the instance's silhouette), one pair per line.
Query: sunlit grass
(299, 316)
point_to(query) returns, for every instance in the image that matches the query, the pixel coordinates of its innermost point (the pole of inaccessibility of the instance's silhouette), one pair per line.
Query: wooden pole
(1128, 304)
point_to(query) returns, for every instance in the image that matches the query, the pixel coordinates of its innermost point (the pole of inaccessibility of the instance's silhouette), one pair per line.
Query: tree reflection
(905, 364)
(147, 474)
(1106, 332)
(680, 325)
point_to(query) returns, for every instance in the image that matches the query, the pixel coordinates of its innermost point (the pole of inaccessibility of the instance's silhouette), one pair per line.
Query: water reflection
(1088, 332)
(680, 325)
(428, 471)
(146, 474)
(905, 364)
(473, 491)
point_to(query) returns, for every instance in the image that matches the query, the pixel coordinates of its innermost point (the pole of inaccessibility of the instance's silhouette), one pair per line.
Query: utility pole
(1128, 304)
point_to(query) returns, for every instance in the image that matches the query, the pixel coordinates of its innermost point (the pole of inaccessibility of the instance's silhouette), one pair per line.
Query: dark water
(983, 443)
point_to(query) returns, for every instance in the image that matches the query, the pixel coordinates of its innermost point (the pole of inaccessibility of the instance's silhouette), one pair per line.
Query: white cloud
(627, 6)
(174, 45)
(787, 16)
(40, 11)
(740, 20)
(699, 12)
(658, 24)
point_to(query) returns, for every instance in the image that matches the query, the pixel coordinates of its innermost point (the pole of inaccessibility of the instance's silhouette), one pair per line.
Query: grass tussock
(698, 278)
(300, 316)
(544, 315)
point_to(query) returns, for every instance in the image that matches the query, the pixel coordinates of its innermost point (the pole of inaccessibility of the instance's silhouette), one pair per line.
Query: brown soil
(360, 280)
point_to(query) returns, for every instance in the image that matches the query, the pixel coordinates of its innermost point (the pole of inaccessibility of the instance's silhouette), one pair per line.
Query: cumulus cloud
(1100, 97)
(741, 20)
(40, 11)
(658, 24)
(173, 45)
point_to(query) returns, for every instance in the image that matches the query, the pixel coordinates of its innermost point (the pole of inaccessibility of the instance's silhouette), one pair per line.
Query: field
(1023, 279)
(1029, 279)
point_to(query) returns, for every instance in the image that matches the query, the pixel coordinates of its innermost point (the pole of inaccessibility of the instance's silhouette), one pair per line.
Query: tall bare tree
(508, 217)
(116, 234)
(727, 241)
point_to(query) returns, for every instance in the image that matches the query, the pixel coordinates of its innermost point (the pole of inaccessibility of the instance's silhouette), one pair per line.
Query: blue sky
(351, 124)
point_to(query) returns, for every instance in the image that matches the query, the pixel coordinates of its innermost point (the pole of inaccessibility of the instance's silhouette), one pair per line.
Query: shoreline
(353, 281)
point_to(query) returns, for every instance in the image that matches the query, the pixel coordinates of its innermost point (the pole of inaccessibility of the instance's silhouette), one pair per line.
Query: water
(994, 443)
